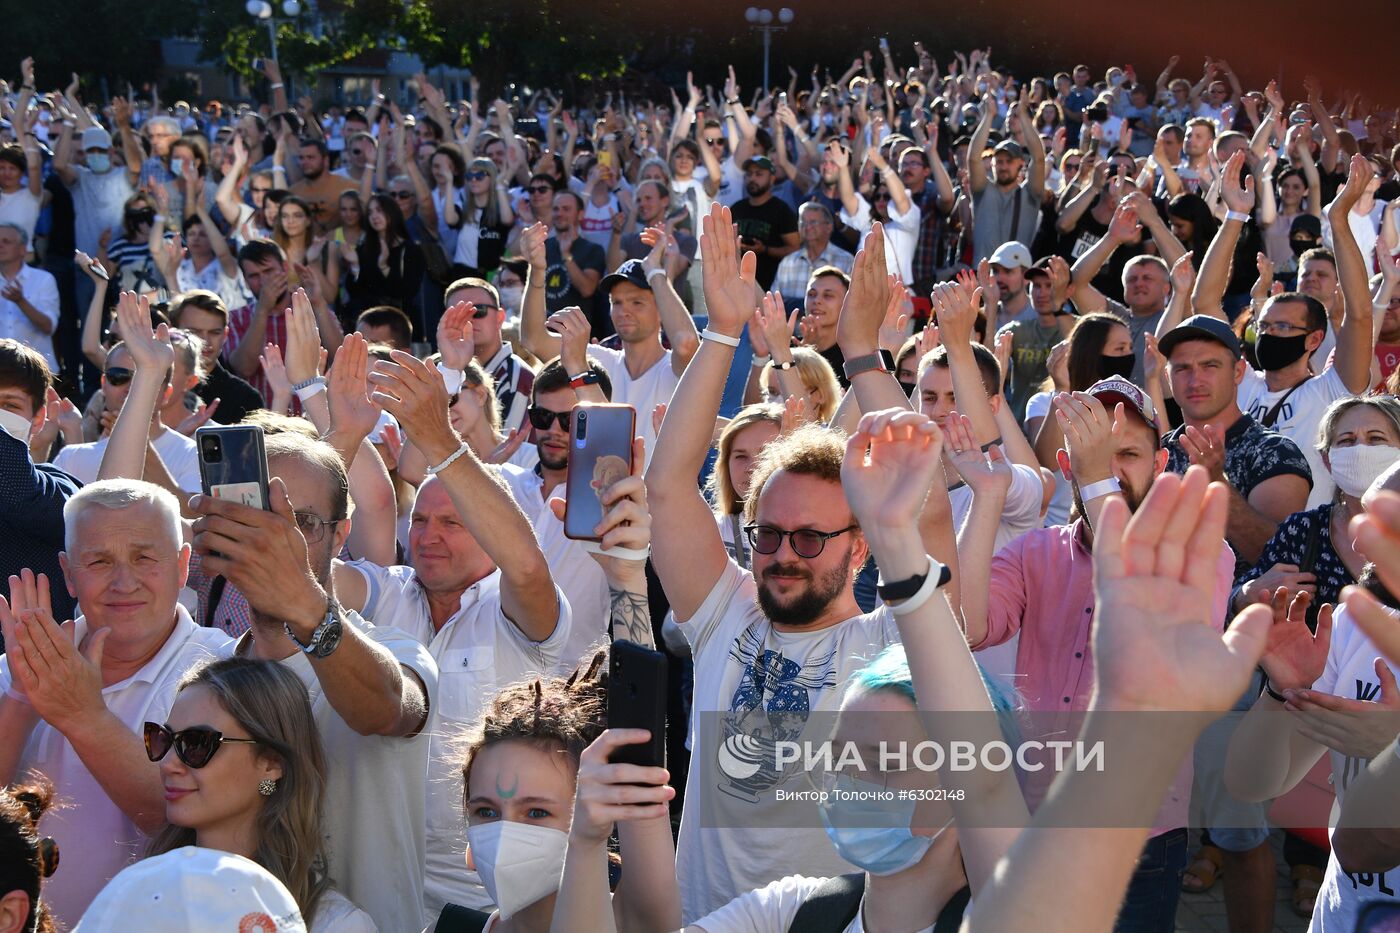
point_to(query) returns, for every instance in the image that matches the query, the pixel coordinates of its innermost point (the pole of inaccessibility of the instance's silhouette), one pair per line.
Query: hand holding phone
(637, 700)
(233, 463)
(600, 454)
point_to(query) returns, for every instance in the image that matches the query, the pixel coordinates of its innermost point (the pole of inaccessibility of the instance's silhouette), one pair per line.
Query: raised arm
(956, 305)
(1214, 276)
(1354, 337)
(858, 328)
(1035, 146)
(688, 553)
(226, 197)
(976, 168)
(676, 321)
(537, 339)
(151, 356)
(1123, 228)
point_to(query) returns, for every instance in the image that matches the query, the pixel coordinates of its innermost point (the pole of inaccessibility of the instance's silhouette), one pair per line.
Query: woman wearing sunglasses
(243, 769)
(484, 222)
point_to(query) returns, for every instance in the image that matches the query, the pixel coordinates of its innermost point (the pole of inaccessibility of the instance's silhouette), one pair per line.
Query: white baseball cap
(1011, 254)
(194, 889)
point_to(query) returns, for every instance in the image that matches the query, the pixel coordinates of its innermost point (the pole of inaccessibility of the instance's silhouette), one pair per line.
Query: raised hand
(863, 311)
(506, 449)
(893, 326)
(413, 392)
(1356, 728)
(1206, 448)
(984, 472)
(1359, 175)
(1183, 274)
(775, 326)
(1265, 281)
(347, 389)
(1091, 434)
(574, 330)
(1155, 639)
(609, 793)
(731, 292)
(1125, 227)
(955, 306)
(456, 341)
(1237, 196)
(198, 418)
(29, 595)
(890, 464)
(532, 243)
(303, 339)
(275, 370)
(1294, 656)
(61, 679)
(150, 350)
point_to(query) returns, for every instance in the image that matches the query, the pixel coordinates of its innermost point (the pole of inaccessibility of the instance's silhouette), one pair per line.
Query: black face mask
(1121, 366)
(1278, 352)
(1301, 246)
(908, 387)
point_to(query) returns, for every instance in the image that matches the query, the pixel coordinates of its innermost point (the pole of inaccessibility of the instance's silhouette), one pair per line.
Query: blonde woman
(484, 221)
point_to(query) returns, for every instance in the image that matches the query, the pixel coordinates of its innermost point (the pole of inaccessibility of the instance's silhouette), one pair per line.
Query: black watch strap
(906, 588)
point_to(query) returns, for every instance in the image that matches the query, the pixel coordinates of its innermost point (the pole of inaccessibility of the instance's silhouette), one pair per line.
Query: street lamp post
(760, 21)
(262, 9)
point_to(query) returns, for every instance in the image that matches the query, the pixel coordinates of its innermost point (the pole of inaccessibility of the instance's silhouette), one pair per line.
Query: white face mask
(511, 297)
(519, 863)
(1356, 468)
(17, 426)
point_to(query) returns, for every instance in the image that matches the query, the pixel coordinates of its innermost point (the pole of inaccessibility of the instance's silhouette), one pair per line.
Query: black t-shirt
(559, 291)
(767, 223)
(236, 396)
(837, 359)
(1082, 238)
(61, 239)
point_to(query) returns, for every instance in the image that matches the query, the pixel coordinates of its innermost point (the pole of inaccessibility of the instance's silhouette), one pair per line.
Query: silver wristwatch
(326, 638)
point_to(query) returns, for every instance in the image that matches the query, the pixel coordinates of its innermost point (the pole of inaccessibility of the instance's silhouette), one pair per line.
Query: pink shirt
(1042, 585)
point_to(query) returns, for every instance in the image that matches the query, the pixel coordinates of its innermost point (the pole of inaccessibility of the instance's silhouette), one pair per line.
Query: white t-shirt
(731, 183)
(1350, 673)
(1038, 406)
(1298, 418)
(468, 241)
(478, 651)
(95, 838)
(691, 193)
(574, 570)
(901, 236)
(230, 289)
(373, 807)
(772, 909)
(20, 207)
(335, 914)
(651, 388)
(1365, 227)
(744, 668)
(596, 223)
(98, 201)
(177, 452)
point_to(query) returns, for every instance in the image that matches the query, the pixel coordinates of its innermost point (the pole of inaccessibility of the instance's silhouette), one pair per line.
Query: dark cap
(1116, 389)
(1200, 327)
(630, 271)
(1040, 269)
(760, 161)
(1307, 225)
(1011, 148)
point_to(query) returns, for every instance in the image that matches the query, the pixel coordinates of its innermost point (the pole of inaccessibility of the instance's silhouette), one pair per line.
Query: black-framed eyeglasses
(476, 176)
(118, 375)
(479, 312)
(194, 746)
(542, 418)
(1278, 328)
(312, 526)
(807, 543)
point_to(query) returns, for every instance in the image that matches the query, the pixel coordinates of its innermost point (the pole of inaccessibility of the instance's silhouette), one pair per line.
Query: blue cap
(631, 272)
(1201, 327)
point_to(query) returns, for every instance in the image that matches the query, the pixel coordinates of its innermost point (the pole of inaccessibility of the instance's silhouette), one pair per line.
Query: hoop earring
(267, 787)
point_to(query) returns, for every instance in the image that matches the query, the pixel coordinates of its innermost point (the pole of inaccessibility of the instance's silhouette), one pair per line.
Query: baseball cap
(1116, 389)
(762, 162)
(194, 889)
(1011, 254)
(1040, 269)
(95, 137)
(1011, 148)
(1200, 327)
(630, 271)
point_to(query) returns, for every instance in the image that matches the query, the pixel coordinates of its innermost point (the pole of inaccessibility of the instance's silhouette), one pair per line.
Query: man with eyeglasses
(779, 640)
(361, 150)
(513, 377)
(815, 225)
(477, 592)
(1287, 393)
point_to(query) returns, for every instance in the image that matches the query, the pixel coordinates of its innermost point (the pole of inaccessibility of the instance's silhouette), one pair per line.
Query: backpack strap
(1271, 416)
(457, 919)
(832, 906)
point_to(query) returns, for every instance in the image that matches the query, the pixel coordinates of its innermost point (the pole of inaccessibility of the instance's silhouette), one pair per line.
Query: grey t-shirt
(97, 204)
(993, 211)
(1139, 326)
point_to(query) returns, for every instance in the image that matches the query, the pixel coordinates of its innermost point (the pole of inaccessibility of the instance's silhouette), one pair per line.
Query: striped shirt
(514, 382)
(239, 321)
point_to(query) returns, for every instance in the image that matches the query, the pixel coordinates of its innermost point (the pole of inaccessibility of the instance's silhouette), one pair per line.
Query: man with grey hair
(76, 694)
(814, 224)
(162, 131)
(28, 296)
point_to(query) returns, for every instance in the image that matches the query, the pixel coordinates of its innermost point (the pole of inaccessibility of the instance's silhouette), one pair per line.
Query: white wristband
(1241, 216)
(926, 591)
(1104, 487)
(432, 470)
(451, 378)
(654, 273)
(708, 334)
(759, 362)
(306, 393)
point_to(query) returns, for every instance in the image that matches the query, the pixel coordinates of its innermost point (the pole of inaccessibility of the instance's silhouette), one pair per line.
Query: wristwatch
(587, 378)
(326, 638)
(784, 367)
(870, 362)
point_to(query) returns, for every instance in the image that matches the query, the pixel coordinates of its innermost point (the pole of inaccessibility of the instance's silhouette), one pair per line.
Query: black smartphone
(600, 454)
(258, 64)
(233, 463)
(637, 700)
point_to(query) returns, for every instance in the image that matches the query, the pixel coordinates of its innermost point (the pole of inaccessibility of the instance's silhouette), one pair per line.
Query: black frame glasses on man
(542, 418)
(194, 746)
(766, 539)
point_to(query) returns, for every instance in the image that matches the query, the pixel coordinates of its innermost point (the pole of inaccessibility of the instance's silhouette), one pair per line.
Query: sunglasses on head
(542, 418)
(194, 746)
(476, 176)
(118, 375)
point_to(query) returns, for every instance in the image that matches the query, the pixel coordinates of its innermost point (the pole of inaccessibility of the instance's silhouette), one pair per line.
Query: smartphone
(637, 700)
(99, 270)
(782, 99)
(605, 157)
(600, 454)
(884, 44)
(258, 64)
(233, 463)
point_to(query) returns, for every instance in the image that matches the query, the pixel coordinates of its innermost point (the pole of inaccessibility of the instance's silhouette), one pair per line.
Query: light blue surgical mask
(177, 166)
(872, 833)
(99, 162)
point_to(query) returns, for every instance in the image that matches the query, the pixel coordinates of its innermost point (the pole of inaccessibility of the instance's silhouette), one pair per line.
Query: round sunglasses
(194, 746)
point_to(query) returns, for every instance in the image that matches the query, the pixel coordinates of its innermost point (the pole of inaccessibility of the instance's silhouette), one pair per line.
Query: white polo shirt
(95, 838)
(373, 810)
(575, 572)
(177, 452)
(40, 290)
(478, 651)
(651, 388)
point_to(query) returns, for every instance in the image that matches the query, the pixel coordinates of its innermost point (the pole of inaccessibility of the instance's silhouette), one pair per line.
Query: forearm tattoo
(630, 617)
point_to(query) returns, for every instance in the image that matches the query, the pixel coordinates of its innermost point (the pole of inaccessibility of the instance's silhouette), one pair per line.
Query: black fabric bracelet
(1269, 689)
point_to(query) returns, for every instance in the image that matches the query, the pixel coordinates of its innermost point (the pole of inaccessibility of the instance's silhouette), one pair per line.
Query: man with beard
(777, 642)
(766, 224)
(832, 194)
(568, 268)
(319, 186)
(1041, 585)
(1007, 208)
(1287, 393)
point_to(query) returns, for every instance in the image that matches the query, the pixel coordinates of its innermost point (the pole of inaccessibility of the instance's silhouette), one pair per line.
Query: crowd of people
(965, 402)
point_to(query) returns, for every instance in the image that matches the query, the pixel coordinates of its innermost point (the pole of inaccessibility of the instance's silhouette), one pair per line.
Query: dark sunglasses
(806, 542)
(714, 142)
(194, 746)
(403, 195)
(542, 418)
(541, 189)
(476, 176)
(118, 375)
(257, 190)
(481, 311)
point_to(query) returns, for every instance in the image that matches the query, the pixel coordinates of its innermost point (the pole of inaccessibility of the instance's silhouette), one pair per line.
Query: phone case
(637, 700)
(600, 454)
(233, 463)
